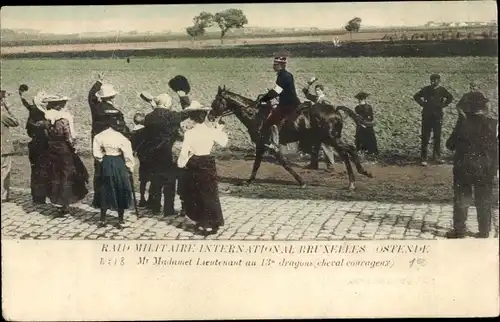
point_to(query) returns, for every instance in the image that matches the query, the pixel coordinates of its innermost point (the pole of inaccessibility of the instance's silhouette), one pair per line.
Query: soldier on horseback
(285, 91)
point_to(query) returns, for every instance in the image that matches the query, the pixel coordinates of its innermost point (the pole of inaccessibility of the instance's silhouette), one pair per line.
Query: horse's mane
(238, 98)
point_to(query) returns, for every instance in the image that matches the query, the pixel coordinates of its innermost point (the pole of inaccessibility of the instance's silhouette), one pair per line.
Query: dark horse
(321, 123)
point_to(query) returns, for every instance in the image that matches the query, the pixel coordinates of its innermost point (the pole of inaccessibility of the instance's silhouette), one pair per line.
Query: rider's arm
(282, 82)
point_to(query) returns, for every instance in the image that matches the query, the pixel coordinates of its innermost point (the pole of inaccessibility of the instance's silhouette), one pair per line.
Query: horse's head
(219, 104)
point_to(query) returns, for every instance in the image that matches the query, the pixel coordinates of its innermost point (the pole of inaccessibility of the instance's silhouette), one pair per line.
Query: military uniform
(288, 100)
(475, 142)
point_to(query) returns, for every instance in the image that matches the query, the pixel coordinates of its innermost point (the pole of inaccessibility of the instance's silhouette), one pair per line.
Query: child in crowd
(139, 147)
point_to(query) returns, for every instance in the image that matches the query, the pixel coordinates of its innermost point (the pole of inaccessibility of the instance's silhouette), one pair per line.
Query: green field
(391, 82)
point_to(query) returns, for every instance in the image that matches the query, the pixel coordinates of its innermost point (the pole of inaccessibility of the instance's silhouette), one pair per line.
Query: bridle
(228, 112)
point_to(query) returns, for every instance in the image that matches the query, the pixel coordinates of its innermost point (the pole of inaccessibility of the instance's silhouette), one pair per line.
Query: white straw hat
(54, 98)
(107, 90)
(196, 106)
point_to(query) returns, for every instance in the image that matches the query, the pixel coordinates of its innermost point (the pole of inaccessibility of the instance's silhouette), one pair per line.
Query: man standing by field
(284, 89)
(433, 99)
(475, 165)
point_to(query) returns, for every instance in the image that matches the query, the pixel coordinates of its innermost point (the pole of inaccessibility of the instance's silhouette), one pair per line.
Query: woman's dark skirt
(64, 173)
(114, 191)
(200, 192)
(366, 140)
(36, 152)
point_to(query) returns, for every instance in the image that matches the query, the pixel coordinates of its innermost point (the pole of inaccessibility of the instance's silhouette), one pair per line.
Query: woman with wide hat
(113, 152)
(366, 140)
(101, 101)
(202, 204)
(64, 172)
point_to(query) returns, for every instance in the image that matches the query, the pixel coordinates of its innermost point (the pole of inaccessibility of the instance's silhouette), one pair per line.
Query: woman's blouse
(199, 141)
(113, 143)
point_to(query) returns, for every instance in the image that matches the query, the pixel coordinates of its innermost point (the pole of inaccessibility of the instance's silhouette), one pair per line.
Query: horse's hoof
(352, 187)
(369, 175)
(303, 186)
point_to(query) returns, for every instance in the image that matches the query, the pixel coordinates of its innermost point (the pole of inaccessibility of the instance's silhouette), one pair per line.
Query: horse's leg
(345, 157)
(351, 150)
(314, 164)
(259, 152)
(288, 168)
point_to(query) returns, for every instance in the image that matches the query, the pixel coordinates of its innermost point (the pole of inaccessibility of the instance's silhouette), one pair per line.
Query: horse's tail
(356, 117)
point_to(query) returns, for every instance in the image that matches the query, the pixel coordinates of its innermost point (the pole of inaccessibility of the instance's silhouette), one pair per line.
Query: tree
(200, 23)
(229, 19)
(353, 25)
(203, 20)
(195, 31)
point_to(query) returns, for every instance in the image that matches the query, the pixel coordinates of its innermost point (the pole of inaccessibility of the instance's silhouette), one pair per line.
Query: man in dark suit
(161, 131)
(475, 142)
(433, 99)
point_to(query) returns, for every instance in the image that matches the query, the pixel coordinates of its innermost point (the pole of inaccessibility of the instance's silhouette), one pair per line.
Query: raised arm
(92, 99)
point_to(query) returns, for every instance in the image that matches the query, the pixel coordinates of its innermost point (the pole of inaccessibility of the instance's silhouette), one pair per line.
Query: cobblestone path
(246, 219)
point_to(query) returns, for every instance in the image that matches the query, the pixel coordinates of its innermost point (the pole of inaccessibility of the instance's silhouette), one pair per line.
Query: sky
(77, 19)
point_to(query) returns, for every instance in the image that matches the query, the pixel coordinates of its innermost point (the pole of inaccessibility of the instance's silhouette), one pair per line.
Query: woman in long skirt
(201, 194)
(366, 141)
(114, 153)
(64, 172)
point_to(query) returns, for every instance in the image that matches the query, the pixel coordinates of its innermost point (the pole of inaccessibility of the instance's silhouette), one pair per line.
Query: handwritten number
(418, 262)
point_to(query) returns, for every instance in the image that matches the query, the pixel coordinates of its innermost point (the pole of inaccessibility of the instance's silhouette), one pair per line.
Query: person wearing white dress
(202, 204)
(114, 153)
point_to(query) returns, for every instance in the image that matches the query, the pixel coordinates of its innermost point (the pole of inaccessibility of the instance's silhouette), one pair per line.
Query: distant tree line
(444, 35)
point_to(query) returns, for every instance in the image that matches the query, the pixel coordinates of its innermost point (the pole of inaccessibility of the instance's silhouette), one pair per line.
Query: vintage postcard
(239, 161)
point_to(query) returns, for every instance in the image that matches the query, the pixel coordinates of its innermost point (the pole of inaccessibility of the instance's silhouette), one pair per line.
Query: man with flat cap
(284, 90)
(475, 165)
(433, 99)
